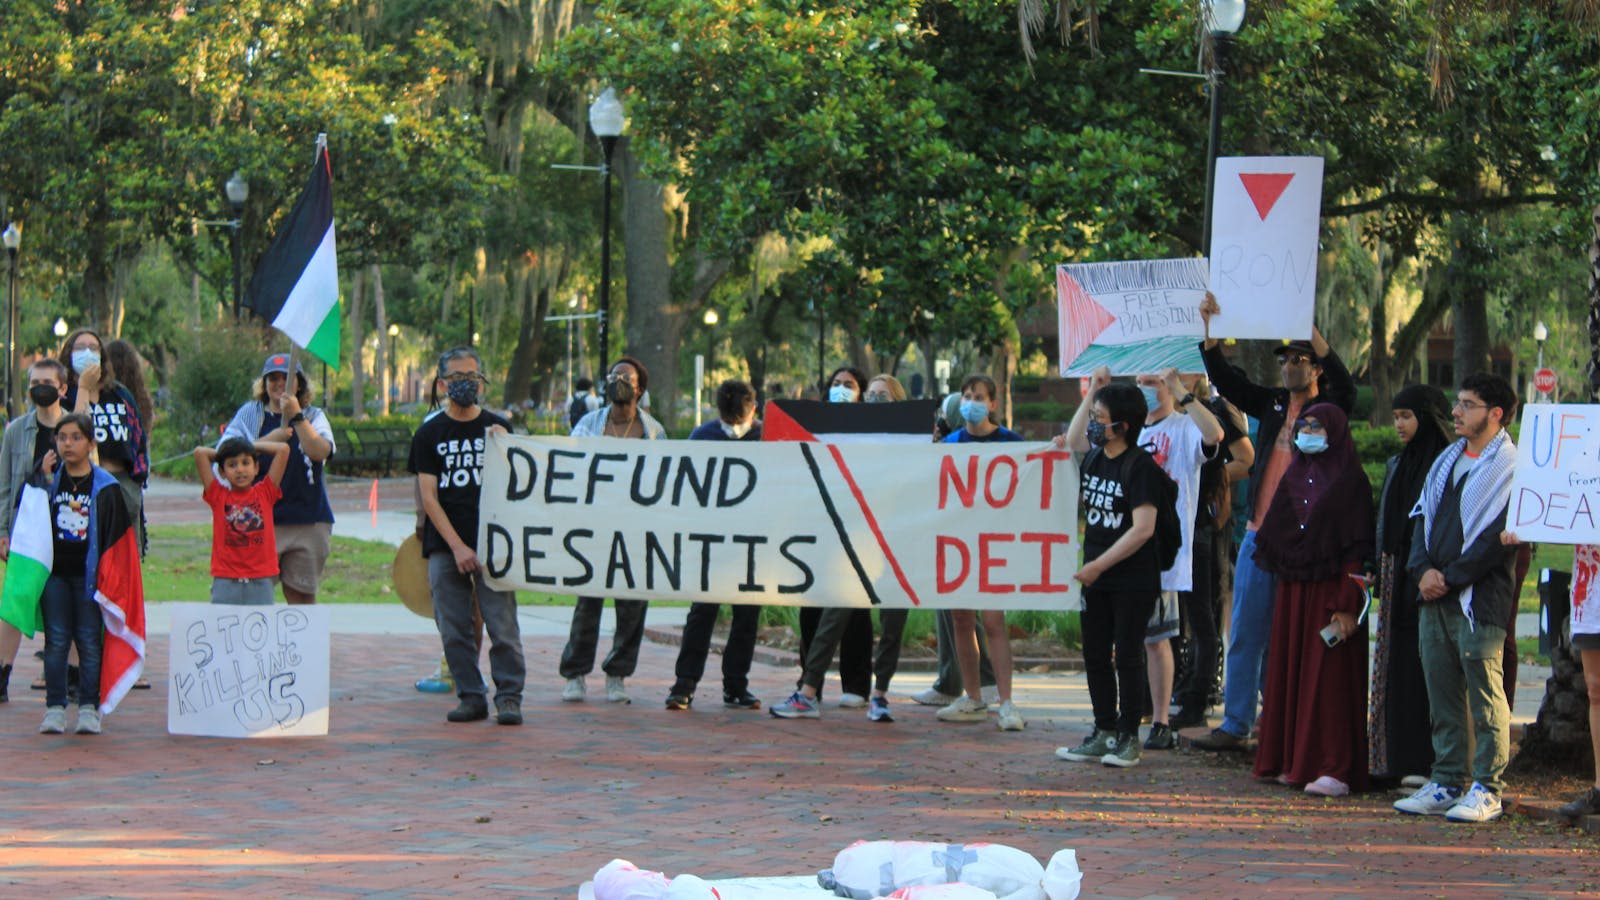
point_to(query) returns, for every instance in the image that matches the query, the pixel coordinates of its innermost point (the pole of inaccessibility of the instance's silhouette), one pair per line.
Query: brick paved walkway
(397, 803)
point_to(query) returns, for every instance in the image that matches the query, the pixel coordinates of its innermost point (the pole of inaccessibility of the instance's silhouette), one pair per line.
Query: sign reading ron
(938, 526)
(248, 671)
(1266, 211)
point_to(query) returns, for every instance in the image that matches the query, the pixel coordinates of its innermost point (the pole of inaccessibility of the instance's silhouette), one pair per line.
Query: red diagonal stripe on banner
(1265, 188)
(872, 522)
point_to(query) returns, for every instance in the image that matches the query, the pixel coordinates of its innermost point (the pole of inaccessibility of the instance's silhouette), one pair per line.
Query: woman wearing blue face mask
(1317, 538)
(119, 431)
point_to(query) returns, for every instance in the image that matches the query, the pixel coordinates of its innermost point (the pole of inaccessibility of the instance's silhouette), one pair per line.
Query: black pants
(1202, 618)
(1116, 621)
(855, 649)
(736, 654)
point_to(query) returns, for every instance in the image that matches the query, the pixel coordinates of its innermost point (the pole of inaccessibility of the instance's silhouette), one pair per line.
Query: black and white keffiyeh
(1485, 497)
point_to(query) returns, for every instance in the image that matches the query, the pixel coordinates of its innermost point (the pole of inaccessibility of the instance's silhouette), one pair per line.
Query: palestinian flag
(296, 284)
(113, 569)
(32, 555)
(908, 421)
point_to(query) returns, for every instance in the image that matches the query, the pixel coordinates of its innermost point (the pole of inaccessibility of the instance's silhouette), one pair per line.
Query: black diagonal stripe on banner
(298, 238)
(838, 525)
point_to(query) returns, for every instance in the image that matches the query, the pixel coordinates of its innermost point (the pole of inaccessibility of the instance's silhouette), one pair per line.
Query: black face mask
(44, 395)
(619, 392)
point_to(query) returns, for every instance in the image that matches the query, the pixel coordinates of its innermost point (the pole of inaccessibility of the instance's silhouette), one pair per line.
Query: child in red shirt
(244, 556)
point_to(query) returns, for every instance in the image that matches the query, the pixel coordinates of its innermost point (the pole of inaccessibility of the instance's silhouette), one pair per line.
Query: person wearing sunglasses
(1310, 373)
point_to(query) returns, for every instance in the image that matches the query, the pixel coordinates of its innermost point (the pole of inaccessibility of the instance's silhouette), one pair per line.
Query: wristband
(1187, 399)
(296, 419)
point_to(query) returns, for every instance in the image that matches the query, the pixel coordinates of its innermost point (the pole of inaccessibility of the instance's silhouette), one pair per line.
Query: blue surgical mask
(1152, 397)
(83, 359)
(974, 411)
(842, 394)
(1097, 433)
(1311, 443)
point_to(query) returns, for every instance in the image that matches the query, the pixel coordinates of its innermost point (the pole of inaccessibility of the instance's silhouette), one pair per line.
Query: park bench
(370, 449)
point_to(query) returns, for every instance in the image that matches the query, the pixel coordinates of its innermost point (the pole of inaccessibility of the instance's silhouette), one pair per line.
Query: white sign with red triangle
(1265, 218)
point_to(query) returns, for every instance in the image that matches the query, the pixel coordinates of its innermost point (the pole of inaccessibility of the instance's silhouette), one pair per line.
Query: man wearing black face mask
(26, 441)
(620, 417)
(447, 458)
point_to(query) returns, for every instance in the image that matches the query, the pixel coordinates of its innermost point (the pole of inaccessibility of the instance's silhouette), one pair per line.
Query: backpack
(1168, 536)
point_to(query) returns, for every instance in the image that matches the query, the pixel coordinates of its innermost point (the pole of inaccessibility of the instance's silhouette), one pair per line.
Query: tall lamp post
(13, 241)
(1540, 335)
(1222, 18)
(238, 191)
(606, 119)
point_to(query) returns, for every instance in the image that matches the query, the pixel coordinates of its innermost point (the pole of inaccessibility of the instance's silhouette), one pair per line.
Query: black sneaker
(1189, 717)
(1161, 738)
(1586, 805)
(741, 700)
(472, 708)
(5, 684)
(1222, 741)
(679, 701)
(508, 711)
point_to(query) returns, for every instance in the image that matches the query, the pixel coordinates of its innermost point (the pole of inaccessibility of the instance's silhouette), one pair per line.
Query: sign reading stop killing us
(248, 671)
(1555, 491)
(938, 526)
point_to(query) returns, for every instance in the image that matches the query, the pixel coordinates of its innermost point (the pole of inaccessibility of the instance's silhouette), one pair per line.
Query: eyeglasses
(458, 377)
(613, 378)
(1294, 359)
(1311, 425)
(1468, 405)
(877, 397)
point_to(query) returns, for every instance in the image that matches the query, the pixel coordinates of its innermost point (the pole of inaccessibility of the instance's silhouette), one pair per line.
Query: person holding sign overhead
(447, 458)
(621, 417)
(1311, 372)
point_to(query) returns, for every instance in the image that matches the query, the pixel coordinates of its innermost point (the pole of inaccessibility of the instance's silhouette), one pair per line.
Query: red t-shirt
(242, 545)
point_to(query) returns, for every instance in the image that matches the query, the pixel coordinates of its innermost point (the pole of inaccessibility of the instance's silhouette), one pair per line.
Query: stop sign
(1544, 381)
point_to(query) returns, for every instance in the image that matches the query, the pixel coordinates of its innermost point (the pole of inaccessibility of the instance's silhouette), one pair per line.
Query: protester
(302, 517)
(855, 644)
(27, 439)
(884, 388)
(1464, 577)
(120, 434)
(736, 410)
(621, 417)
(1120, 487)
(447, 458)
(980, 398)
(1212, 550)
(946, 687)
(583, 402)
(82, 513)
(1585, 630)
(244, 558)
(1316, 540)
(1311, 372)
(1399, 742)
(1180, 445)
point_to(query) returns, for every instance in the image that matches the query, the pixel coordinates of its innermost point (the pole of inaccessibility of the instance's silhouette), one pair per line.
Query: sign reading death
(1555, 493)
(968, 526)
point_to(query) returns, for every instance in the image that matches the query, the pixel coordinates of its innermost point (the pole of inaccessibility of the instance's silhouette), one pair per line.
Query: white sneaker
(615, 692)
(848, 700)
(931, 697)
(964, 709)
(1010, 719)
(1479, 805)
(55, 720)
(1432, 799)
(88, 720)
(990, 694)
(574, 691)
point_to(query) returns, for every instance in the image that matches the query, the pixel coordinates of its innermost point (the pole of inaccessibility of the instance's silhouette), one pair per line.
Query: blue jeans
(70, 615)
(1247, 640)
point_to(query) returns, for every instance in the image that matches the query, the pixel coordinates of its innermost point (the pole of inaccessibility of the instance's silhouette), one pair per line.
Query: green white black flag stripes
(32, 555)
(296, 284)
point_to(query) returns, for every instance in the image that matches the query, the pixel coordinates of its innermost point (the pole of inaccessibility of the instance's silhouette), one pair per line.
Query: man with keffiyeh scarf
(1468, 595)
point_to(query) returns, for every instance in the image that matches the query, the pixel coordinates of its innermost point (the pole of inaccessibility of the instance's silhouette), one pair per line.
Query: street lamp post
(606, 118)
(238, 191)
(1223, 18)
(1540, 335)
(711, 320)
(13, 240)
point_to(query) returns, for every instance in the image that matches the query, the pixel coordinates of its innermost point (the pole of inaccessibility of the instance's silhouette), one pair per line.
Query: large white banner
(1555, 493)
(1265, 216)
(965, 526)
(1136, 317)
(248, 671)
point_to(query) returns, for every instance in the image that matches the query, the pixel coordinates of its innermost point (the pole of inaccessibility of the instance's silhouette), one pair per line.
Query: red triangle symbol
(1265, 188)
(1081, 318)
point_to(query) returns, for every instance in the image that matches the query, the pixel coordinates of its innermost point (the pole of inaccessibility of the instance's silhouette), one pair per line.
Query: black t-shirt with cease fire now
(452, 451)
(1108, 506)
